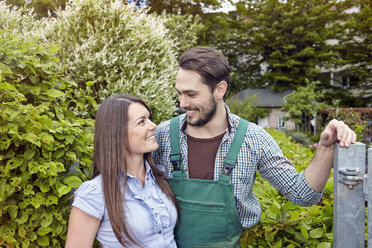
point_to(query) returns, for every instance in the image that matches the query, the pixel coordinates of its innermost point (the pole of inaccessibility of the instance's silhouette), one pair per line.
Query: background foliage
(247, 109)
(284, 224)
(40, 140)
(108, 47)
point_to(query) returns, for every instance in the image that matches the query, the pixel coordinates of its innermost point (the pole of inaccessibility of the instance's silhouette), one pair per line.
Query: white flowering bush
(109, 47)
(16, 21)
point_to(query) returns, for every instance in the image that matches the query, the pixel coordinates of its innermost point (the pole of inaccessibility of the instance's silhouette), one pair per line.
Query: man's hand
(337, 131)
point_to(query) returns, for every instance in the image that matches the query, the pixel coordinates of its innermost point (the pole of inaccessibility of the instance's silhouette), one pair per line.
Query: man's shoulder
(163, 126)
(162, 131)
(252, 127)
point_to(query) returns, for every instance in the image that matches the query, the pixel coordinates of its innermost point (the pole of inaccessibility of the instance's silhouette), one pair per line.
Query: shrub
(247, 109)
(17, 21)
(184, 29)
(109, 47)
(39, 142)
(301, 137)
(284, 224)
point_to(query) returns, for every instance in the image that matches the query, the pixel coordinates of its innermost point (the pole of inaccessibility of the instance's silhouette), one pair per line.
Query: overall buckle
(228, 166)
(227, 169)
(176, 160)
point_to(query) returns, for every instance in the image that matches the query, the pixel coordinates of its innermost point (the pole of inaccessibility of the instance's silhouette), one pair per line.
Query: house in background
(272, 100)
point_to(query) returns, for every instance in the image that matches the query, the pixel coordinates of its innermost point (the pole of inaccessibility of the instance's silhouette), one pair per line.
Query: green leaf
(57, 230)
(22, 232)
(72, 156)
(47, 220)
(5, 69)
(52, 200)
(59, 112)
(89, 83)
(46, 138)
(274, 209)
(31, 137)
(12, 210)
(54, 93)
(58, 153)
(12, 164)
(316, 233)
(304, 232)
(43, 240)
(324, 245)
(73, 181)
(63, 190)
(53, 49)
(29, 154)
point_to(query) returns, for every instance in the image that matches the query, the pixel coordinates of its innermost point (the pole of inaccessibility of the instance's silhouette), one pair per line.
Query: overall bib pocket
(202, 222)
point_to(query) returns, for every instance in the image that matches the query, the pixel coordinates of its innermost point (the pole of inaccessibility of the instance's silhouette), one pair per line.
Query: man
(213, 187)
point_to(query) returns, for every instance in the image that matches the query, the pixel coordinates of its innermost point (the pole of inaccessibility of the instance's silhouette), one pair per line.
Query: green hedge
(118, 49)
(284, 224)
(39, 142)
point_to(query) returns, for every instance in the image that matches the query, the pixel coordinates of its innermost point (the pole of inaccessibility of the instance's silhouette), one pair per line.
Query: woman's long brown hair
(110, 141)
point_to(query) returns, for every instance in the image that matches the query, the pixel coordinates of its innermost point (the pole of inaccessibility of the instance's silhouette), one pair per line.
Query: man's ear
(220, 90)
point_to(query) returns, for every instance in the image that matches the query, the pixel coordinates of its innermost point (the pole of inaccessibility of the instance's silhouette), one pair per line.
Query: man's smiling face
(195, 97)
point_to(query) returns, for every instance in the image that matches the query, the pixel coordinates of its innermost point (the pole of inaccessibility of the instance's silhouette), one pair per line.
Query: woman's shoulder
(89, 197)
(93, 185)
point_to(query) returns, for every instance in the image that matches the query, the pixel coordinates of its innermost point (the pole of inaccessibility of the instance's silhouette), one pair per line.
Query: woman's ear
(220, 90)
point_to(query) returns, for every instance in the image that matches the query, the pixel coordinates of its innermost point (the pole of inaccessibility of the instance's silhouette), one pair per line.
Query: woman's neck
(136, 168)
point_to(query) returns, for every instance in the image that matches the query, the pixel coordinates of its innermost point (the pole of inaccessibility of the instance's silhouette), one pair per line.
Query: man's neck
(216, 126)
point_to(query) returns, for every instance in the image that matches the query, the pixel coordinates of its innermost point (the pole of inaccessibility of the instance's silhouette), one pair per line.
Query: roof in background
(266, 97)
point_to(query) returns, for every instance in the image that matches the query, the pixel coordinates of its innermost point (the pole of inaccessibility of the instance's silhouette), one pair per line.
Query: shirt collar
(149, 172)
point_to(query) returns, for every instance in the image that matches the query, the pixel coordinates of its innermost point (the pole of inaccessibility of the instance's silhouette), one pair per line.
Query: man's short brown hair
(209, 63)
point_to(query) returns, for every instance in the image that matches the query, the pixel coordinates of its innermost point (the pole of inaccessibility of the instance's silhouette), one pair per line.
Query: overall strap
(231, 157)
(175, 156)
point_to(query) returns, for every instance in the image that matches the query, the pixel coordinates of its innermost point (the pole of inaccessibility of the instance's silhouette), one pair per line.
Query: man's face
(195, 97)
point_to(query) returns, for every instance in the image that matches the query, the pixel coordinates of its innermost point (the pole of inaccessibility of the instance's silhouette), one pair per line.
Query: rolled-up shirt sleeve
(279, 172)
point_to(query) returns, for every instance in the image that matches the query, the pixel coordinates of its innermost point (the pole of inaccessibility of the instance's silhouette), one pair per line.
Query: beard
(207, 116)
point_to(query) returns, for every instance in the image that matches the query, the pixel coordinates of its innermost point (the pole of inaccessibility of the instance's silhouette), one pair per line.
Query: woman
(128, 203)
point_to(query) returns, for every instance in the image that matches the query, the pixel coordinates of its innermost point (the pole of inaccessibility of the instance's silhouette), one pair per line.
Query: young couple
(188, 182)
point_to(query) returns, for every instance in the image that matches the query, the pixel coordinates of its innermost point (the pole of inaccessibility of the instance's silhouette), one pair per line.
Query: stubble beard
(207, 116)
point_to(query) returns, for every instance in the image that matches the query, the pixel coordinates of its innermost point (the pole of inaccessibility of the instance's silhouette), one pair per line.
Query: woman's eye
(141, 122)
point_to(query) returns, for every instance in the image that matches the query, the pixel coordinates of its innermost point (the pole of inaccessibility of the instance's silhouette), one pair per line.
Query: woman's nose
(152, 125)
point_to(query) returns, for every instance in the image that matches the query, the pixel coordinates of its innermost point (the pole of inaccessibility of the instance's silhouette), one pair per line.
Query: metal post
(349, 202)
(369, 191)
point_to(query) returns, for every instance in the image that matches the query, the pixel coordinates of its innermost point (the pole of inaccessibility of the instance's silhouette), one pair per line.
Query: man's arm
(317, 172)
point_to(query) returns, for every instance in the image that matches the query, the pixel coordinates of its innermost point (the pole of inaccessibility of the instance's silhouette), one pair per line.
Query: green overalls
(208, 216)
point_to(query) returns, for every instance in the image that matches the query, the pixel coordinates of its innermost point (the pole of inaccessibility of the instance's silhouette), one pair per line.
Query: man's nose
(184, 103)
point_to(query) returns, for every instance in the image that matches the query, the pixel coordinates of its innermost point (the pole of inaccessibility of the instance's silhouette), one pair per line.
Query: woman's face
(141, 130)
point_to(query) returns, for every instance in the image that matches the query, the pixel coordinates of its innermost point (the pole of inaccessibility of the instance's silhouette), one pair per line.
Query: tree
(355, 49)
(247, 109)
(288, 39)
(183, 29)
(41, 8)
(303, 103)
(182, 7)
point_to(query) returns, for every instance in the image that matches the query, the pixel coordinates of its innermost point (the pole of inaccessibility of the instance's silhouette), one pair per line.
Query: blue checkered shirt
(259, 152)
